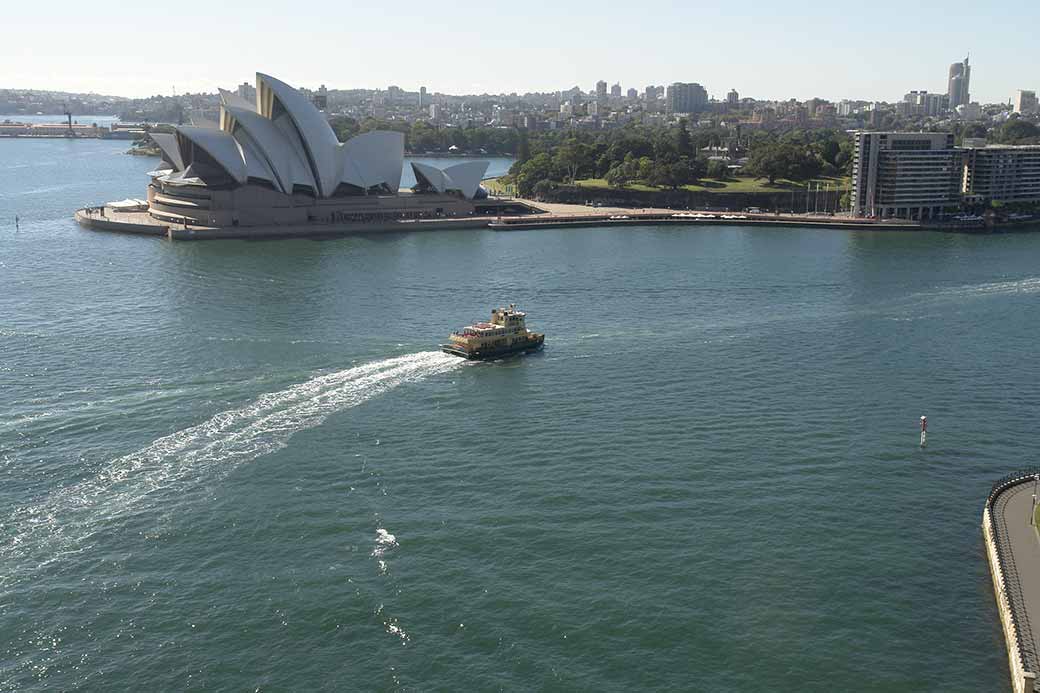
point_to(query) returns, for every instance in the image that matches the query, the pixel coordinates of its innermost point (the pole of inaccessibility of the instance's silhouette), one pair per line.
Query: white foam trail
(1021, 286)
(65, 521)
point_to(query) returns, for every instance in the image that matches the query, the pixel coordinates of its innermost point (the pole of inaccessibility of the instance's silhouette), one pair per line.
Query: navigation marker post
(924, 431)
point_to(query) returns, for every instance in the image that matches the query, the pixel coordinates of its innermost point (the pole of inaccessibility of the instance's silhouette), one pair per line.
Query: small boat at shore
(505, 334)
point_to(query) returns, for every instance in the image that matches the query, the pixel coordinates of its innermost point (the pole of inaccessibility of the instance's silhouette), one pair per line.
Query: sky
(765, 50)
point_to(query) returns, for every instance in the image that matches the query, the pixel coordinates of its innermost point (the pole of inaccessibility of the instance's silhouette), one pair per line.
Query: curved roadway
(1011, 515)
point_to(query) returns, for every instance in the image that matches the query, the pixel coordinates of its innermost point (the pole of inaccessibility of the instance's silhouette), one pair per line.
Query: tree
(571, 157)
(1017, 131)
(523, 146)
(616, 176)
(646, 168)
(767, 161)
(542, 188)
(793, 161)
(684, 144)
(538, 168)
(718, 170)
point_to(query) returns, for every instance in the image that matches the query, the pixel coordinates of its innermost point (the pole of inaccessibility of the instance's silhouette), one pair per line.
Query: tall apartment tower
(959, 85)
(601, 90)
(424, 101)
(615, 91)
(686, 98)
(908, 175)
(1025, 101)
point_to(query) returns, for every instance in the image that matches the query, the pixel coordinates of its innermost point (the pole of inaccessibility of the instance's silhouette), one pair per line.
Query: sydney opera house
(278, 162)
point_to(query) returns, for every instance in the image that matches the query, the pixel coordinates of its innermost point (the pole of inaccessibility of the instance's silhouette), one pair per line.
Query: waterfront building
(1025, 102)
(1001, 173)
(905, 175)
(959, 84)
(278, 162)
(684, 97)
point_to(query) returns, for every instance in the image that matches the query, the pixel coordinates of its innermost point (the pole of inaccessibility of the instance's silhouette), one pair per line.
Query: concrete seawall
(550, 216)
(94, 220)
(1014, 599)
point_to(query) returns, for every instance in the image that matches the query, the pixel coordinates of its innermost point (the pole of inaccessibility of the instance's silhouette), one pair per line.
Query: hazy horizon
(761, 50)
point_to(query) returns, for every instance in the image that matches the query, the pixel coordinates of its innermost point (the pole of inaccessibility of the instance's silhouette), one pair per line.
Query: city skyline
(764, 52)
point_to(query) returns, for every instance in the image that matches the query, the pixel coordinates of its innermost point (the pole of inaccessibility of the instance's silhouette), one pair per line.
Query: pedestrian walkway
(1020, 561)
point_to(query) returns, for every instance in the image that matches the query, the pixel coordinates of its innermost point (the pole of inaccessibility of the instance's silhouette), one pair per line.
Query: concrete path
(1011, 515)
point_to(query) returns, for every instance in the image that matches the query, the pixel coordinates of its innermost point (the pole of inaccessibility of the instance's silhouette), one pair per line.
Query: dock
(1013, 551)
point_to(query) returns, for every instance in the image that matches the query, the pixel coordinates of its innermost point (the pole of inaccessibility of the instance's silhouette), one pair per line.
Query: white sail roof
(168, 144)
(373, 158)
(285, 140)
(287, 161)
(230, 98)
(464, 178)
(315, 134)
(222, 147)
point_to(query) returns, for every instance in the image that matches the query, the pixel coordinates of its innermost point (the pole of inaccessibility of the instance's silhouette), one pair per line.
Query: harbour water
(243, 465)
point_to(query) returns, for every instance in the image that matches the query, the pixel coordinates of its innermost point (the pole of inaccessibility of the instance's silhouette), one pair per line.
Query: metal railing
(1012, 580)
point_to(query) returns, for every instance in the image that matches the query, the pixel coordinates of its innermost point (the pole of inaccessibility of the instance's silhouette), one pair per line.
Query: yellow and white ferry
(505, 334)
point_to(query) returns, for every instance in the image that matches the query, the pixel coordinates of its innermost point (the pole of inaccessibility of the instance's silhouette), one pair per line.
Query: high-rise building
(393, 93)
(633, 94)
(321, 98)
(1002, 173)
(423, 99)
(924, 103)
(615, 91)
(732, 98)
(909, 175)
(1025, 101)
(601, 90)
(247, 91)
(435, 112)
(651, 93)
(686, 97)
(958, 88)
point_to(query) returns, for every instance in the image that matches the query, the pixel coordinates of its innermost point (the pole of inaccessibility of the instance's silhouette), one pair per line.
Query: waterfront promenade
(1013, 548)
(543, 216)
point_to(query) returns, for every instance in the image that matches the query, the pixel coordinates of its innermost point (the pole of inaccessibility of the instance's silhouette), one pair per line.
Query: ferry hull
(489, 354)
